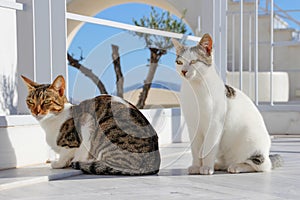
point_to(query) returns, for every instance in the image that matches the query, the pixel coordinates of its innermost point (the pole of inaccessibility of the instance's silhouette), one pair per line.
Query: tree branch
(87, 72)
(157, 45)
(155, 55)
(117, 66)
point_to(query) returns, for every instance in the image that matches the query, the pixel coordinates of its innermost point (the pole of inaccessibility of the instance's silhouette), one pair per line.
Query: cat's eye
(30, 101)
(47, 101)
(178, 62)
(193, 62)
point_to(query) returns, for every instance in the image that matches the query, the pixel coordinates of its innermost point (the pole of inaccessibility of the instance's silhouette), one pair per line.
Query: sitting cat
(103, 135)
(226, 130)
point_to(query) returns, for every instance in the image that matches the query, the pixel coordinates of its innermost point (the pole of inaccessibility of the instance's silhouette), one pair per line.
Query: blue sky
(288, 5)
(95, 41)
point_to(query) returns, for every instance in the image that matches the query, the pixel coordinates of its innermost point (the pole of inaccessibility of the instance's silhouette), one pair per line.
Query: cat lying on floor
(103, 135)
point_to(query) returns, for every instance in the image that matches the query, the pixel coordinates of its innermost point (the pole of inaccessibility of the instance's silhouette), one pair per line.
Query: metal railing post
(241, 43)
(256, 53)
(233, 43)
(271, 50)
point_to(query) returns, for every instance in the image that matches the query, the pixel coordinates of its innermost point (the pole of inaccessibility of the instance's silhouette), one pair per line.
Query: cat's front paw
(206, 170)
(57, 165)
(235, 168)
(194, 169)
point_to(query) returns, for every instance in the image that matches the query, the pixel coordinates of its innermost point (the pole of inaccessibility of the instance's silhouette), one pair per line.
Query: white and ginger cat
(48, 104)
(226, 130)
(103, 135)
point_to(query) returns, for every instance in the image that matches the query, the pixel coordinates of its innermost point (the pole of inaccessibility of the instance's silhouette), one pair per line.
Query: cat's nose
(37, 110)
(183, 72)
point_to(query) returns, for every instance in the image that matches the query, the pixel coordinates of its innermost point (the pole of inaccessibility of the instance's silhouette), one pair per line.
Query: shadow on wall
(7, 153)
(7, 98)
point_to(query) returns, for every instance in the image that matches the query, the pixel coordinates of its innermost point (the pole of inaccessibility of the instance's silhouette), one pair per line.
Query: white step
(19, 177)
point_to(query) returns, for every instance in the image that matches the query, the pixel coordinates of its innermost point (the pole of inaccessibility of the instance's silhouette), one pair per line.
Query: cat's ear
(29, 83)
(206, 42)
(179, 47)
(59, 85)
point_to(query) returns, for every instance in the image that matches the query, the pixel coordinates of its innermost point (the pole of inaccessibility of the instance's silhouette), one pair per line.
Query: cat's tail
(101, 168)
(276, 160)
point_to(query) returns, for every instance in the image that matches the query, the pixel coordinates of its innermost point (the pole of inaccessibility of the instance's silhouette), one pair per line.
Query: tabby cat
(226, 130)
(103, 135)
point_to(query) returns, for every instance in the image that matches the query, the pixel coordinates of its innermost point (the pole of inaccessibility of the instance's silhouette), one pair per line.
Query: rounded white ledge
(17, 120)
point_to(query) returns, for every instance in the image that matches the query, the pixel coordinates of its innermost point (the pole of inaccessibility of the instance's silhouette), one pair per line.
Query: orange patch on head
(59, 85)
(206, 42)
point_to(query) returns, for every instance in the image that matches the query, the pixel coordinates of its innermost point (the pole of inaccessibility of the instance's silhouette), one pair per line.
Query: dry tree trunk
(155, 55)
(117, 67)
(87, 72)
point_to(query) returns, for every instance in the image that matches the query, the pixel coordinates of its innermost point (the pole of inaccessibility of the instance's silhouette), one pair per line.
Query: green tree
(157, 45)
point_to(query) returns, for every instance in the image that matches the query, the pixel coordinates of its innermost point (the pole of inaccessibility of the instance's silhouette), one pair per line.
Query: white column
(42, 51)
(213, 21)
(241, 42)
(217, 32)
(256, 53)
(271, 50)
(41, 40)
(58, 42)
(25, 52)
(223, 39)
(206, 13)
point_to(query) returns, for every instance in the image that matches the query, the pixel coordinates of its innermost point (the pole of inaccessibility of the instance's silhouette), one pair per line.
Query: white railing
(129, 27)
(249, 44)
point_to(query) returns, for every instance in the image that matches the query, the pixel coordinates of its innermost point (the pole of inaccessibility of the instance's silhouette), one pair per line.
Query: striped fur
(120, 139)
(103, 135)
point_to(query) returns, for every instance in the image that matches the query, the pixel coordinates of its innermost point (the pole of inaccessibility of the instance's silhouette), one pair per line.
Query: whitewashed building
(262, 58)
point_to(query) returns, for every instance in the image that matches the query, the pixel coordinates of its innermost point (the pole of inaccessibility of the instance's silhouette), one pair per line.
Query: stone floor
(41, 182)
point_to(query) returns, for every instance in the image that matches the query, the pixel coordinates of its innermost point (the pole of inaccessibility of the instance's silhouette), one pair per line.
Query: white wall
(169, 125)
(8, 57)
(22, 142)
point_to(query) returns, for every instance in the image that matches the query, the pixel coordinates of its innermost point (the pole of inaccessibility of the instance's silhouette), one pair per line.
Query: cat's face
(192, 62)
(45, 99)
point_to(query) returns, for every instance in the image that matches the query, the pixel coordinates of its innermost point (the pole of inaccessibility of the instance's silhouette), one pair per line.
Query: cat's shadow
(181, 172)
(162, 172)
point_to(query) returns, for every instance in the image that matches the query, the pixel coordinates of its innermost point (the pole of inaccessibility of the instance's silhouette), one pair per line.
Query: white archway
(202, 15)
(92, 7)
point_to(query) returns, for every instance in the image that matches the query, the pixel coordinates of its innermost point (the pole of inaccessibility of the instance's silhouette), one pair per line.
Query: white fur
(224, 132)
(51, 124)
(82, 154)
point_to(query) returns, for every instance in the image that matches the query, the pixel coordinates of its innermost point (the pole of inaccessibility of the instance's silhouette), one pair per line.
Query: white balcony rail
(129, 27)
(245, 49)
